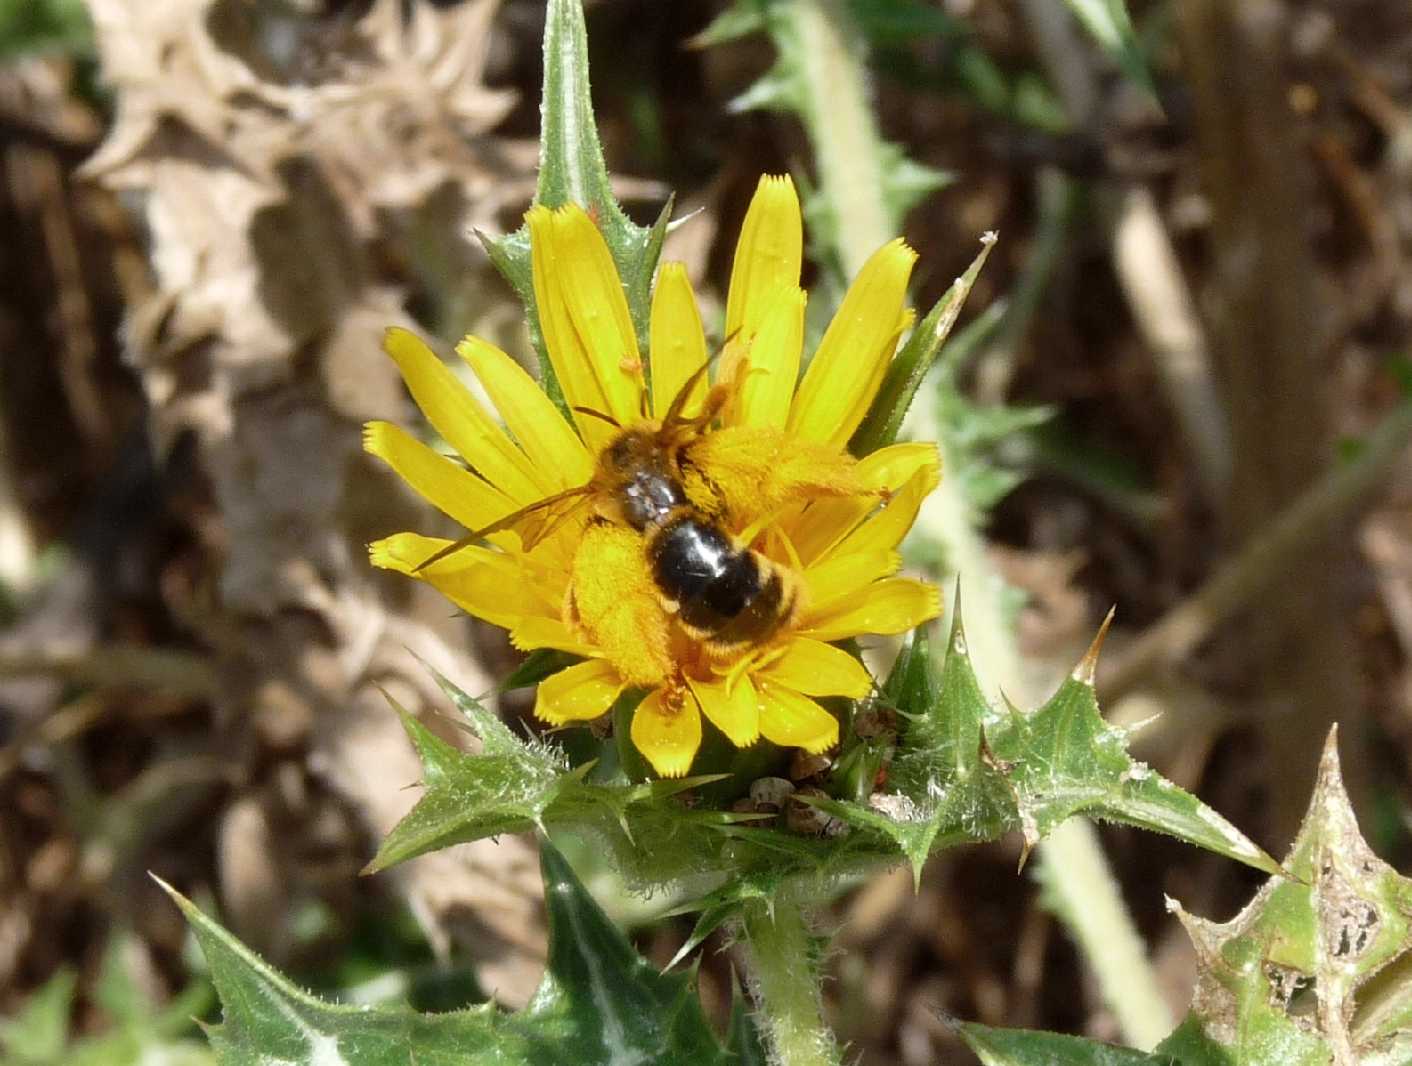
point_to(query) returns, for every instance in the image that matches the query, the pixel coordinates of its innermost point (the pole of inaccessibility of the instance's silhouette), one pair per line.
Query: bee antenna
(679, 400)
(599, 415)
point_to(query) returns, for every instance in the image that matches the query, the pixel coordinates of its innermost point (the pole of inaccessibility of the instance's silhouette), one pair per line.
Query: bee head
(629, 452)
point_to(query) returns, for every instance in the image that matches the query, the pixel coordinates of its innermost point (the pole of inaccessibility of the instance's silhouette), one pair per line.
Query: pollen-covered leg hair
(759, 469)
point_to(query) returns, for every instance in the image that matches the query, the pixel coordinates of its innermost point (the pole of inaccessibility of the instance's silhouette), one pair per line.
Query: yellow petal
(893, 605)
(400, 552)
(892, 467)
(767, 256)
(841, 574)
(584, 314)
(567, 355)
(458, 493)
(771, 364)
(795, 721)
(818, 669)
(553, 447)
(667, 735)
(542, 631)
(578, 693)
(826, 522)
(406, 552)
(848, 368)
(474, 579)
(732, 708)
(461, 420)
(884, 531)
(678, 341)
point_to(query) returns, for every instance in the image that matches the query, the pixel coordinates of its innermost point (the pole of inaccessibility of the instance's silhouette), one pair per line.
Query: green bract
(962, 772)
(599, 1002)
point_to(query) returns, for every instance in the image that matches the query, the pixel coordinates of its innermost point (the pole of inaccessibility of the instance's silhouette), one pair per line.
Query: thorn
(1025, 849)
(1088, 665)
(685, 950)
(1330, 753)
(1137, 727)
(162, 884)
(957, 641)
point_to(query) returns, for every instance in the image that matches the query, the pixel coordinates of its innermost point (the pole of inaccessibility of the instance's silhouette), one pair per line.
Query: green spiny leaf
(944, 710)
(1020, 1047)
(910, 366)
(638, 269)
(599, 1002)
(1278, 983)
(505, 789)
(906, 182)
(722, 906)
(741, 19)
(1064, 759)
(513, 785)
(623, 1009)
(967, 772)
(866, 184)
(962, 772)
(571, 166)
(485, 724)
(942, 792)
(777, 89)
(572, 170)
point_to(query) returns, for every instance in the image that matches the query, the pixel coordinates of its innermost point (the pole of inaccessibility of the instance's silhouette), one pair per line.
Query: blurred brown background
(212, 209)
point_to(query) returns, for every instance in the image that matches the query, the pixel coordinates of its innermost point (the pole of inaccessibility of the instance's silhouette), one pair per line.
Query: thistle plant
(773, 472)
(693, 543)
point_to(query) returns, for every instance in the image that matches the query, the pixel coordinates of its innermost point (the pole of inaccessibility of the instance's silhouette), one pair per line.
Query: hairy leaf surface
(599, 1003)
(1314, 969)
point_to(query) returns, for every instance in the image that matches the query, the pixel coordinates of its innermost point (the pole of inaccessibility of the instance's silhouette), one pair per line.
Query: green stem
(839, 117)
(784, 972)
(1083, 892)
(834, 103)
(1070, 861)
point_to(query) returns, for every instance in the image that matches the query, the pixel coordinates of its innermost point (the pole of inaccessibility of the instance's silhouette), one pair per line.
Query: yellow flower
(764, 461)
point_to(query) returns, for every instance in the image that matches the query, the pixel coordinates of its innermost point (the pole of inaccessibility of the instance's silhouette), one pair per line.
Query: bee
(722, 593)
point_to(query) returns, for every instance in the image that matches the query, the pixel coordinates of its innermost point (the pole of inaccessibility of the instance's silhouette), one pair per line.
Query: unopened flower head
(703, 544)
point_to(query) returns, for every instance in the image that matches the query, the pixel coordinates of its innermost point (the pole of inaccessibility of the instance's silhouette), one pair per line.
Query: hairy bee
(721, 592)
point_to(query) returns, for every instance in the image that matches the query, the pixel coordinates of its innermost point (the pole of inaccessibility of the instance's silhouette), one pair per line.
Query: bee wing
(509, 522)
(557, 511)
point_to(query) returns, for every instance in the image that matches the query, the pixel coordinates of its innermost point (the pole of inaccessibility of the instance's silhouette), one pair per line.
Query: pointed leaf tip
(957, 640)
(187, 907)
(1087, 667)
(1328, 759)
